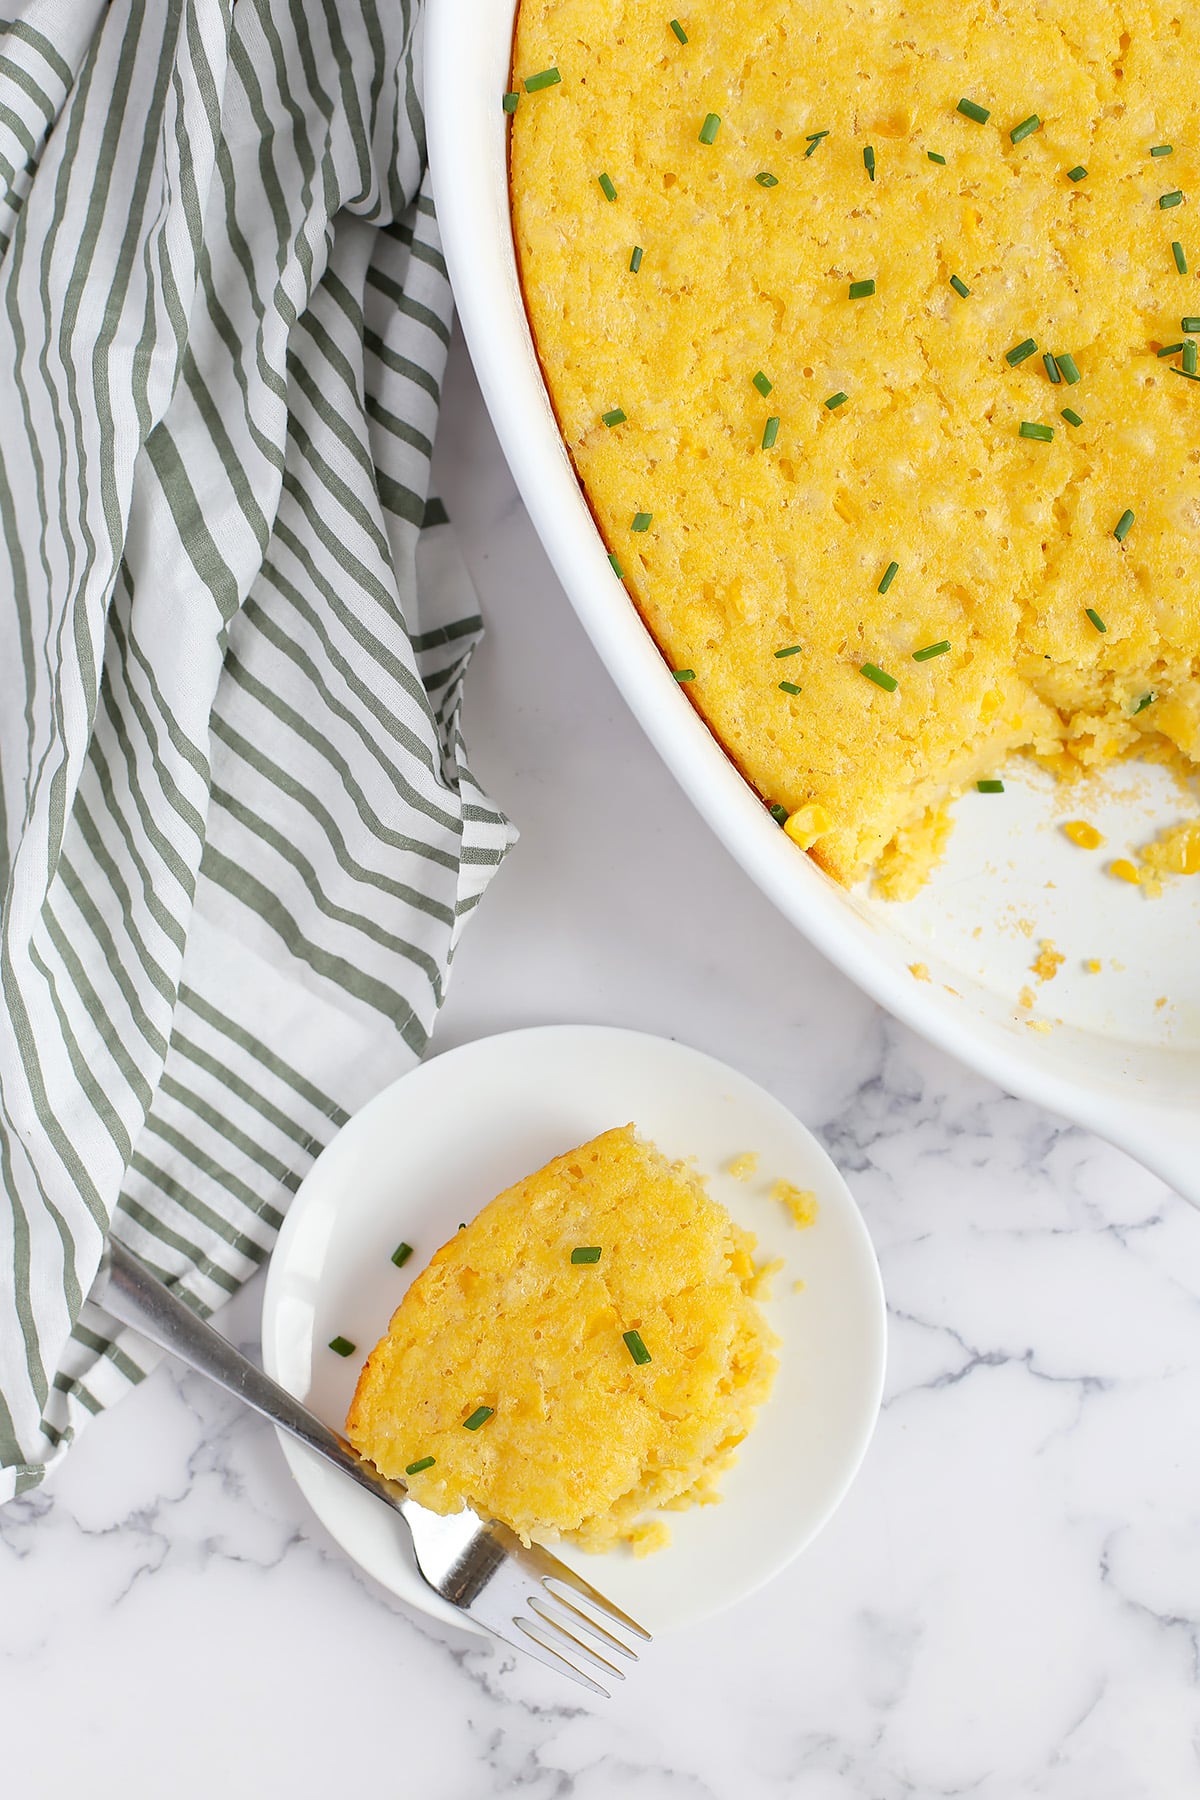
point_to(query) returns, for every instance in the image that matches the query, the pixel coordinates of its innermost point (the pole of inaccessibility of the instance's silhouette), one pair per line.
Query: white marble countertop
(1008, 1604)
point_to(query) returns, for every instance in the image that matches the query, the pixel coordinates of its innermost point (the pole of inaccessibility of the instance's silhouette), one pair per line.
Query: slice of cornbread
(584, 1431)
(786, 441)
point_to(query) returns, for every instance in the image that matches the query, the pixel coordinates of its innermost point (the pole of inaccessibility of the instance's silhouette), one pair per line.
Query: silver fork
(521, 1594)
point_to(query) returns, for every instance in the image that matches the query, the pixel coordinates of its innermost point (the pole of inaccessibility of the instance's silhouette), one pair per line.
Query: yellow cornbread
(582, 1440)
(1003, 542)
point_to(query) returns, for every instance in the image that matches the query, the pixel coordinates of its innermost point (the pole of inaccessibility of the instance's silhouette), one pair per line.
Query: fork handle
(131, 1294)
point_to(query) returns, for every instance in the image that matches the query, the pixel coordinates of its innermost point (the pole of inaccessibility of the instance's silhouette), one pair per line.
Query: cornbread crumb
(798, 1287)
(801, 1203)
(649, 1536)
(1025, 997)
(1093, 965)
(1042, 1025)
(919, 971)
(582, 1440)
(743, 1167)
(1083, 834)
(1160, 1002)
(1025, 927)
(1048, 961)
(764, 1278)
(1174, 852)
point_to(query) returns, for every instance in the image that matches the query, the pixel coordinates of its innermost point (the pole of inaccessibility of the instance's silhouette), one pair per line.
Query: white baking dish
(1123, 1052)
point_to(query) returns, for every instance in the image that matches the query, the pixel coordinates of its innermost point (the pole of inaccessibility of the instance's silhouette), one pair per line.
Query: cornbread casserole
(870, 331)
(588, 1348)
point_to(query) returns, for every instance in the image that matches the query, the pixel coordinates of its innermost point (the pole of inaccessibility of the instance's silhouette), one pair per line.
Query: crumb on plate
(742, 1167)
(800, 1202)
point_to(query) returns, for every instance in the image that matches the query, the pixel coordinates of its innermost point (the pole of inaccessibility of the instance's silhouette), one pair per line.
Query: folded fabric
(239, 834)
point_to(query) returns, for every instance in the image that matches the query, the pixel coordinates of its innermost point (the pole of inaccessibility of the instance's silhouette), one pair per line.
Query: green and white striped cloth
(239, 836)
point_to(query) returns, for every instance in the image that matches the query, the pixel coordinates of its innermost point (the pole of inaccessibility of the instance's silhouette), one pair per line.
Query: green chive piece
(479, 1417)
(1020, 352)
(765, 178)
(1094, 616)
(889, 575)
(814, 137)
(1190, 323)
(1170, 350)
(763, 383)
(1043, 434)
(1162, 149)
(710, 128)
(880, 677)
(931, 650)
(1070, 373)
(1189, 357)
(1187, 376)
(401, 1254)
(419, 1468)
(990, 787)
(683, 674)
(1051, 368)
(791, 650)
(586, 1253)
(1166, 201)
(836, 400)
(770, 433)
(616, 567)
(1072, 418)
(869, 161)
(341, 1346)
(509, 102)
(960, 287)
(1077, 173)
(778, 813)
(547, 78)
(970, 110)
(1145, 701)
(789, 687)
(635, 261)
(680, 33)
(1180, 258)
(615, 417)
(935, 157)
(607, 188)
(641, 521)
(1123, 526)
(1025, 129)
(861, 290)
(635, 1346)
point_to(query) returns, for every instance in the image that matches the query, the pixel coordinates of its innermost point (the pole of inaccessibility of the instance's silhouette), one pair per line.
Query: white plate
(433, 1148)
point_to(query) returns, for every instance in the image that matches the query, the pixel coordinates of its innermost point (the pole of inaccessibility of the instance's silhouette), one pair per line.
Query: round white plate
(436, 1146)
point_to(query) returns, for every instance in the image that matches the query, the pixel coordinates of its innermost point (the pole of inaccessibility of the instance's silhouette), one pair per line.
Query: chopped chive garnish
(1043, 434)
(1170, 350)
(615, 417)
(1094, 616)
(509, 102)
(683, 674)
(1067, 365)
(889, 575)
(680, 33)
(419, 1468)
(970, 110)
(990, 787)
(770, 433)
(861, 290)
(1180, 258)
(1072, 418)
(479, 1417)
(641, 521)
(960, 287)
(1123, 526)
(1166, 201)
(586, 1253)
(1189, 357)
(1025, 129)
(778, 813)
(836, 400)
(765, 178)
(1077, 173)
(935, 156)
(788, 687)
(635, 1346)
(1145, 701)
(791, 650)
(1187, 375)
(341, 1346)
(1020, 352)
(1162, 149)
(880, 677)
(606, 187)
(635, 261)
(547, 78)
(931, 650)
(710, 128)
(869, 161)
(1190, 323)
(814, 137)
(401, 1254)
(1051, 368)
(763, 383)
(616, 567)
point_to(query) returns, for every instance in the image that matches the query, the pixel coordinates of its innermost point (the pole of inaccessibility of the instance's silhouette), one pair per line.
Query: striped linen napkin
(239, 834)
